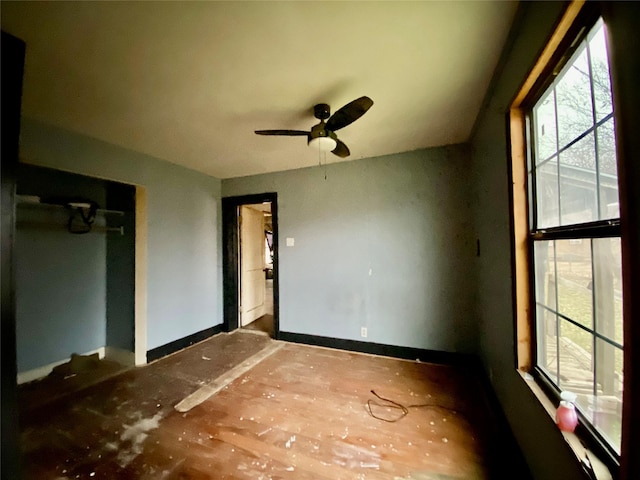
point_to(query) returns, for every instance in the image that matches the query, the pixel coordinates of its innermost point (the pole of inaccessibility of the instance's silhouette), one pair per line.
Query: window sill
(584, 456)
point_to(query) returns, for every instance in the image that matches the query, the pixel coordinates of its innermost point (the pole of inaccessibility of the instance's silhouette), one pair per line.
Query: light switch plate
(291, 241)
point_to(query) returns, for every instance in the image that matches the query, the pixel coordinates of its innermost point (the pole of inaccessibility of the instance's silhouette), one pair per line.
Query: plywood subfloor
(301, 413)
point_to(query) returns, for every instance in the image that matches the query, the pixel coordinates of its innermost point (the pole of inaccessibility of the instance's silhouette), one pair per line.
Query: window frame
(572, 29)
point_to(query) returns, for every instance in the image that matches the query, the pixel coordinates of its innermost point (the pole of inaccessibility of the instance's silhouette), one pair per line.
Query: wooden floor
(300, 413)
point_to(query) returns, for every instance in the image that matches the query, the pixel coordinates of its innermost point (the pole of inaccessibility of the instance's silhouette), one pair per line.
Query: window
(569, 239)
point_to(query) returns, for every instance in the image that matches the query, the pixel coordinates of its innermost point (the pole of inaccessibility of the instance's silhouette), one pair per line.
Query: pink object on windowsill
(566, 415)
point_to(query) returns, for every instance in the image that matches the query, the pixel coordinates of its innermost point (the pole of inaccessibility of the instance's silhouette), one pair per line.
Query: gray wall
(543, 445)
(407, 218)
(184, 274)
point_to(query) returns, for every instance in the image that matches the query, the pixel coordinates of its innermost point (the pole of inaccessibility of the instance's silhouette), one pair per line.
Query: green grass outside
(577, 305)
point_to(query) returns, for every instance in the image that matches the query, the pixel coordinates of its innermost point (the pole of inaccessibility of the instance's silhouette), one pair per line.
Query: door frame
(230, 258)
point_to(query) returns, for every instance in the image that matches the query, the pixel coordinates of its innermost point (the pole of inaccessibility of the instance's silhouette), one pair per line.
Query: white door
(252, 262)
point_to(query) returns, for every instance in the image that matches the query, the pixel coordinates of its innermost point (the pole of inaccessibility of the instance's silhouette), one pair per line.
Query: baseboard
(395, 351)
(184, 342)
(41, 372)
(121, 356)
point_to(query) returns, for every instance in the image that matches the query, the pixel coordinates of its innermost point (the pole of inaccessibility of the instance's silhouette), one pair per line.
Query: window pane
(607, 277)
(581, 155)
(608, 169)
(578, 198)
(547, 339)
(544, 114)
(546, 318)
(576, 362)
(606, 406)
(600, 73)
(573, 98)
(575, 285)
(530, 197)
(547, 194)
(545, 275)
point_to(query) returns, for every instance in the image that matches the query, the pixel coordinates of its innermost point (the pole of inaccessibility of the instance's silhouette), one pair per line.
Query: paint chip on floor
(134, 435)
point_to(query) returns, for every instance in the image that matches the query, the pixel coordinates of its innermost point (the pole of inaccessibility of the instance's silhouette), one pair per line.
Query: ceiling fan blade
(341, 149)
(288, 133)
(349, 113)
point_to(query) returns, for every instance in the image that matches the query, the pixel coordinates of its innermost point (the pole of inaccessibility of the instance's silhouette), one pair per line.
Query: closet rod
(53, 206)
(51, 226)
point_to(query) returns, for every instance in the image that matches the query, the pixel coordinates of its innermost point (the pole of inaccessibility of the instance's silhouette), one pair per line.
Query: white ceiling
(189, 82)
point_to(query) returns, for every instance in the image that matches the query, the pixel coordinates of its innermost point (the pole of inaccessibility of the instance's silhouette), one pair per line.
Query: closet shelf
(52, 206)
(76, 210)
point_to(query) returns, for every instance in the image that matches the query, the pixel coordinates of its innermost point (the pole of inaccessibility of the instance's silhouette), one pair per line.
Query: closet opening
(75, 262)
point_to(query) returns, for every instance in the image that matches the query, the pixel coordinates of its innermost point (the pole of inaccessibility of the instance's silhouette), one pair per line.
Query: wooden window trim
(520, 224)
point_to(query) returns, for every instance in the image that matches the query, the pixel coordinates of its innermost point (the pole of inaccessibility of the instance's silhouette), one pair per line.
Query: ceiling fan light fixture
(324, 144)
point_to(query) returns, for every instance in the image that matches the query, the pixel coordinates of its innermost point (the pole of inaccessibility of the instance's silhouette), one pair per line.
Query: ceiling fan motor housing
(322, 111)
(320, 130)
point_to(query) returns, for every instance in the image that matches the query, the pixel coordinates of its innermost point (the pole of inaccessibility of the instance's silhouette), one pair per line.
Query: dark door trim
(13, 54)
(230, 278)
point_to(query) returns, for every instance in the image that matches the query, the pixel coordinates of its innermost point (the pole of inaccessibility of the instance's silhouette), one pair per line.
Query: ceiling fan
(322, 135)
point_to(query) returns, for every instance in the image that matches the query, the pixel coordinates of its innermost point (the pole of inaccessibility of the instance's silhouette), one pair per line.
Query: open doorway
(256, 268)
(250, 263)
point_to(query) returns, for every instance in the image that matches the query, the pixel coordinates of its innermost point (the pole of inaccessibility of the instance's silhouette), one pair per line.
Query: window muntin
(574, 235)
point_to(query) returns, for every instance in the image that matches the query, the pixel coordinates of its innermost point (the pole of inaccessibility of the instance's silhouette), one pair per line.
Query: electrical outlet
(363, 332)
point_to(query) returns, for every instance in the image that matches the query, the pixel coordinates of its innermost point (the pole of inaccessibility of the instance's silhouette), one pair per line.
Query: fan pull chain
(322, 155)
